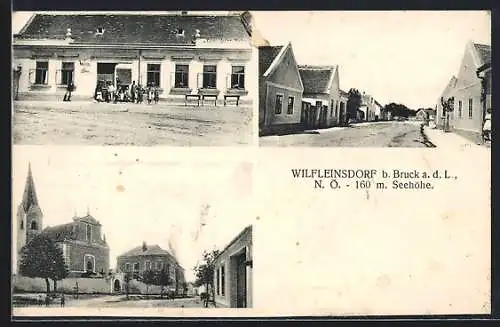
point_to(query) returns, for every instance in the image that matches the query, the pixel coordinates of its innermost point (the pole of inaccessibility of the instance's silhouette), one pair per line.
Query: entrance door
(106, 72)
(123, 75)
(241, 282)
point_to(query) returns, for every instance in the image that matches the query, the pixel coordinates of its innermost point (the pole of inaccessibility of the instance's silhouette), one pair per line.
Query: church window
(89, 233)
(34, 225)
(89, 262)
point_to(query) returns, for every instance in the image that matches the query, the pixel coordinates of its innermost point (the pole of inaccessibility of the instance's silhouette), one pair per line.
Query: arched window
(89, 233)
(34, 225)
(89, 263)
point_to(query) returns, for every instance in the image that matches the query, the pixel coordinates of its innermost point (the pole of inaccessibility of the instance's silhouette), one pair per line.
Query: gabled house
(368, 107)
(466, 90)
(379, 111)
(280, 90)
(179, 53)
(344, 96)
(446, 94)
(322, 93)
(425, 114)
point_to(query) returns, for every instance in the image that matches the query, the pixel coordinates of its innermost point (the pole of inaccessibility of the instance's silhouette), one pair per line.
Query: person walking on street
(47, 300)
(63, 300)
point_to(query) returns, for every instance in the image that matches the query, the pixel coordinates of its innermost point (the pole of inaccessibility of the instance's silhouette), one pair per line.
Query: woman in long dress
(487, 125)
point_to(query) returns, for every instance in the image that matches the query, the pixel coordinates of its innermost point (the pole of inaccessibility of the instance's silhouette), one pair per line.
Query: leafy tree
(204, 271)
(42, 258)
(162, 279)
(353, 103)
(148, 278)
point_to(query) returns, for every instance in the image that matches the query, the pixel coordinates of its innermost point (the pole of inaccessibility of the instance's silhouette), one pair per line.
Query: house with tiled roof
(83, 246)
(150, 257)
(469, 92)
(180, 53)
(280, 90)
(322, 93)
(368, 107)
(233, 277)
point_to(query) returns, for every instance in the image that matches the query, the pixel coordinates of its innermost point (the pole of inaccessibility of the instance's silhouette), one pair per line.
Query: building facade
(233, 272)
(151, 257)
(84, 248)
(464, 92)
(179, 53)
(368, 107)
(280, 89)
(322, 92)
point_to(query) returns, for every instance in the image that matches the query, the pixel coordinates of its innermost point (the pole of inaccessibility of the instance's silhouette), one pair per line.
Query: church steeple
(29, 197)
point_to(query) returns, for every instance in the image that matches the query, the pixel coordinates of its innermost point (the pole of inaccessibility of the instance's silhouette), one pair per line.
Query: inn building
(178, 52)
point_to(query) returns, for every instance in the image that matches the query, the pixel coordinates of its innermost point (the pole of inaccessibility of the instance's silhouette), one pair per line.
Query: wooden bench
(194, 96)
(214, 96)
(232, 96)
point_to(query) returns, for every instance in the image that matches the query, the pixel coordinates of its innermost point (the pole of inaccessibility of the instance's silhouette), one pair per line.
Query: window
(222, 279)
(238, 77)
(278, 104)
(127, 267)
(136, 266)
(100, 30)
(459, 108)
(22, 224)
(42, 72)
(290, 105)
(470, 108)
(180, 31)
(89, 261)
(88, 232)
(67, 71)
(153, 77)
(218, 281)
(181, 76)
(159, 265)
(209, 76)
(148, 265)
(34, 225)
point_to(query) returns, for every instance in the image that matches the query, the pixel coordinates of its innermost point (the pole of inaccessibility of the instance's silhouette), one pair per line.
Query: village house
(344, 96)
(180, 53)
(445, 95)
(233, 272)
(380, 114)
(322, 92)
(425, 114)
(280, 90)
(83, 246)
(367, 108)
(467, 90)
(150, 257)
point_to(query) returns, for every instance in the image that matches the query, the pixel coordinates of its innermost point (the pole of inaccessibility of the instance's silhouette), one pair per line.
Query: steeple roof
(30, 199)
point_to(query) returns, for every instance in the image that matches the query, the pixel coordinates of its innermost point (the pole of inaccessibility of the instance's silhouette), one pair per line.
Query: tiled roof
(267, 54)
(150, 250)
(246, 230)
(136, 29)
(484, 52)
(316, 79)
(60, 232)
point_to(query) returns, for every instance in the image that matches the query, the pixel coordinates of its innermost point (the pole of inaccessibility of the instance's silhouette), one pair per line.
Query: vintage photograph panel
(115, 232)
(177, 78)
(412, 79)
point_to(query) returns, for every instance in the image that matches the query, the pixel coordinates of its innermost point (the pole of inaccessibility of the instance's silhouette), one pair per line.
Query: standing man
(132, 91)
(69, 89)
(63, 300)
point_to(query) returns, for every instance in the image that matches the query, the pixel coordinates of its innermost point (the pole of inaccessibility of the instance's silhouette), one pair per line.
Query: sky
(401, 56)
(162, 201)
(398, 56)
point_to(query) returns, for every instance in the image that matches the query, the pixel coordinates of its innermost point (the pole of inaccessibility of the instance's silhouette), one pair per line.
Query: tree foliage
(353, 103)
(399, 110)
(204, 270)
(148, 278)
(42, 258)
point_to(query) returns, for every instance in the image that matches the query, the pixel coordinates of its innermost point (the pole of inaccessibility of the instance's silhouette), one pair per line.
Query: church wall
(77, 252)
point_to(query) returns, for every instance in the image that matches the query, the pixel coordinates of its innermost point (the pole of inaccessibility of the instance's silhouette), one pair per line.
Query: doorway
(106, 72)
(241, 281)
(116, 286)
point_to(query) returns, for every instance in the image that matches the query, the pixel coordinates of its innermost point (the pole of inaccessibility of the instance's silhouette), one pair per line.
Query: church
(84, 247)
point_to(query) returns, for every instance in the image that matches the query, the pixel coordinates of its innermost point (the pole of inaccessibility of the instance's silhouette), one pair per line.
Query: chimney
(144, 247)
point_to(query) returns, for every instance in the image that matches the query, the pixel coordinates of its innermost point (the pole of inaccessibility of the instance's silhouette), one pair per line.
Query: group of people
(135, 93)
(48, 301)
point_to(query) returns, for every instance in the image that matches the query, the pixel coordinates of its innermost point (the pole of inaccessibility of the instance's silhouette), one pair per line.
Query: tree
(353, 103)
(204, 271)
(127, 278)
(148, 278)
(42, 258)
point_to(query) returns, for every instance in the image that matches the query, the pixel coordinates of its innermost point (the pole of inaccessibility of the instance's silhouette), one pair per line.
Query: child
(150, 94)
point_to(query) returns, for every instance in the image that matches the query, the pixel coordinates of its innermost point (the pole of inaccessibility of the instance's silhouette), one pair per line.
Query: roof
(267, 55)
(247, 229)
(87, 219)
(30, 200)
(484, 52)
(60, 232)
(317, 79)
(344, 93)
(151, 250)
(136, 29)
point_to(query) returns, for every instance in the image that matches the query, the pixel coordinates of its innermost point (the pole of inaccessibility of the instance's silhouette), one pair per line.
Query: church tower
(29, 215)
